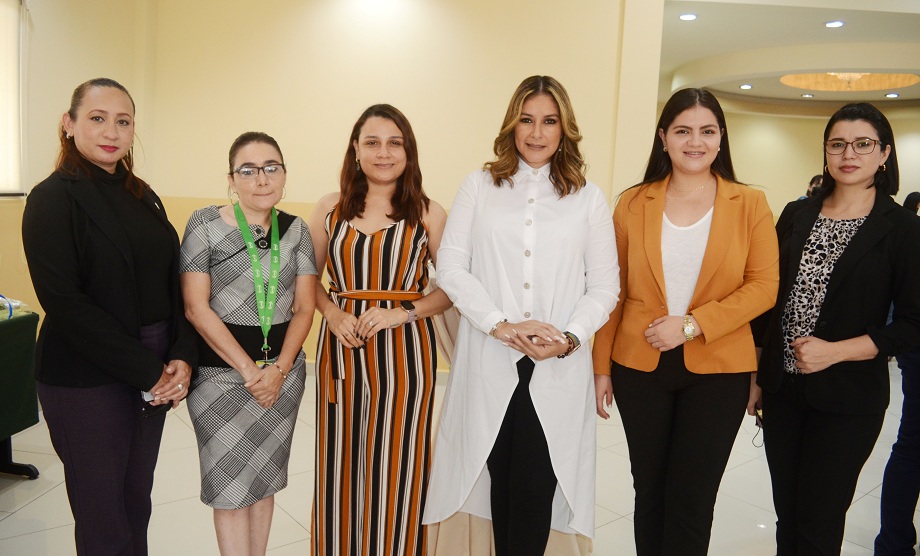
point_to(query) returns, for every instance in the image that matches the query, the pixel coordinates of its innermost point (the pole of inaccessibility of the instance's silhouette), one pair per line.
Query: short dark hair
(250, 137)
(912, 201)
(885, 181)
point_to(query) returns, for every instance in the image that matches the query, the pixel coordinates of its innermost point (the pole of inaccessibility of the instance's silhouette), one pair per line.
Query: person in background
(529, 258)
(814, 186)
(104, 261)
(845, 256)
(249, 282)
(698, 259)
(901, 482)
(912, 201)
(376, 353)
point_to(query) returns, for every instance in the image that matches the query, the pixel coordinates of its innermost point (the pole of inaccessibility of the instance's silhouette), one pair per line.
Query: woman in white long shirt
(528, 256)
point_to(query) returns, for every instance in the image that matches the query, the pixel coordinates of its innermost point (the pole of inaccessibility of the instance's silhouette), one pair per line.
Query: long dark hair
(885, 180)
(409, 201)
(567, 166)
(71, 162)
(659, 163)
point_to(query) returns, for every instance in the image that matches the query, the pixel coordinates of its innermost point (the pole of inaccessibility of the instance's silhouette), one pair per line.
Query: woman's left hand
(666, 333)
(173, 384)
(376, 319)
(265, 387)
(814, 354)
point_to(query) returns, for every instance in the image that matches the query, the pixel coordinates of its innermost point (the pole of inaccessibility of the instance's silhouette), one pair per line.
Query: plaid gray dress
(243, 448)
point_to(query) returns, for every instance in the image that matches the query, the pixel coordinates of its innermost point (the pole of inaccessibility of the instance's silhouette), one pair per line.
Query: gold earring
(283, 191)
(357, 164)
(67, 134)
(666, 149)
(825, 168)
(882, 168)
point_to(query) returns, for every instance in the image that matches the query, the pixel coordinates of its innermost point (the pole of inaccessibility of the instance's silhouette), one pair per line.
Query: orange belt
(363, 295)
(378, 295)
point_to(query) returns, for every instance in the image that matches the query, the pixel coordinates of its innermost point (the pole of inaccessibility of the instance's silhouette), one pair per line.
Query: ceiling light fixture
(833, 24)
(808, 95)
(687, 17)
(849, 81)
(746, 87)
(892, 95)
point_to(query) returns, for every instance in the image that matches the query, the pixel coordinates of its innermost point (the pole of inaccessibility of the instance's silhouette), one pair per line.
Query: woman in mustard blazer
(698, 261)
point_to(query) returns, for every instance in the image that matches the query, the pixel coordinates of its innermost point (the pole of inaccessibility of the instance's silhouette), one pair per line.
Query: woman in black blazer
(845, 256)
(104, 262)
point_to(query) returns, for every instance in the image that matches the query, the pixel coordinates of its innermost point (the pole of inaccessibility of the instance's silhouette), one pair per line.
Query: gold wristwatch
(689, 329)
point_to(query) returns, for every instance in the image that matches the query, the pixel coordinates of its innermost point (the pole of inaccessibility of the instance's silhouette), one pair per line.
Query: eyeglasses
(252, 172)
(860, 146)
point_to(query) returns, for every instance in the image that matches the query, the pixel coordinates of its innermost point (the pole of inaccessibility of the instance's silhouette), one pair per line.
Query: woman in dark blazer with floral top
(104, 263)
(845, 256)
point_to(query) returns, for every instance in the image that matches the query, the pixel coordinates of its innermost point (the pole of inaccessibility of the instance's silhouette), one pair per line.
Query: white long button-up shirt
(522, 253)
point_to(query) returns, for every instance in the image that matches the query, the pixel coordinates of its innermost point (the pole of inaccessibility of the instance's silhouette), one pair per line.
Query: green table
(18, 399)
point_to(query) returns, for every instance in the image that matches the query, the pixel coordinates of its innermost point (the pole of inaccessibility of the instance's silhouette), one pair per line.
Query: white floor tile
(49, 511)
(297, 499)
(50, 542)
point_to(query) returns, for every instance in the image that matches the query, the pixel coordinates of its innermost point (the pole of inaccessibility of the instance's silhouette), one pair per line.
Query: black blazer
(880, 265)
(83, 273)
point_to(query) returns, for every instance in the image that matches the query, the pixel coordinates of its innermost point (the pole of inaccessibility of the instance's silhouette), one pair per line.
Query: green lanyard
(265, 301)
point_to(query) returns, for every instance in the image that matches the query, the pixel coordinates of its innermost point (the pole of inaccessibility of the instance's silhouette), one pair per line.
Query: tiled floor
(35, 518)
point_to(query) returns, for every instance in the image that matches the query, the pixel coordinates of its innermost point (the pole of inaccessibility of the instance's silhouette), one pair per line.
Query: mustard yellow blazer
(738, 281)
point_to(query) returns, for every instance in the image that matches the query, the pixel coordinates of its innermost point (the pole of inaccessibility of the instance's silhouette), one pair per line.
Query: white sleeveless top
(682, 250)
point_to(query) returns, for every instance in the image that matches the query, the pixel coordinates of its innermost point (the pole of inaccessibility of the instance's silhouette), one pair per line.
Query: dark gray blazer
(880, 266)
(83, 273)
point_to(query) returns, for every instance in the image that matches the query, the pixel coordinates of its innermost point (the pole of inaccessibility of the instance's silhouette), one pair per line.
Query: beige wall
(202, 72)
(782, 153)
(304, 71)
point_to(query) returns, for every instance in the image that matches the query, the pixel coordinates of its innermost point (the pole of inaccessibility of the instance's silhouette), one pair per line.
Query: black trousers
(109, 452)
(815, 458)
(523, 481)
(680, 428)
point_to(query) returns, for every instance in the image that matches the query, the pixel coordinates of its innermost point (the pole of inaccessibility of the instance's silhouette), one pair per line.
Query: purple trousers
(109, 451)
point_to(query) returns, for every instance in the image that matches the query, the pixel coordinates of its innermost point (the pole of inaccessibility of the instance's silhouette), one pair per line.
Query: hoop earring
(882, 168)
(665, 149)
(283, 191)
(825, 169)
(68, 135)
(357, 164)
(230, 194)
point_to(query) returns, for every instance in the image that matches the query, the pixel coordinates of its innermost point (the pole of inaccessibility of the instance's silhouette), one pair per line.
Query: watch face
(688, 328)
(408, 305)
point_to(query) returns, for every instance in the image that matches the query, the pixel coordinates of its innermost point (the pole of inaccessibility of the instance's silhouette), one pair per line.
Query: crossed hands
(535, 339)
(353, 332)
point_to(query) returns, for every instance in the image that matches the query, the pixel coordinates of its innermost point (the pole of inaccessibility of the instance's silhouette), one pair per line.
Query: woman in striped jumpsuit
(376, 354)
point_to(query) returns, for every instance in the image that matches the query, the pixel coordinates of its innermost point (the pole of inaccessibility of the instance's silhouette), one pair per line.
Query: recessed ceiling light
(833, 24)
(808, 95)
(745, 87)
(892, 95)
(687, 17)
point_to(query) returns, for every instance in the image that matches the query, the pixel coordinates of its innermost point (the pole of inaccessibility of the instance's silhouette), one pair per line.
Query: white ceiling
(747, 41)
